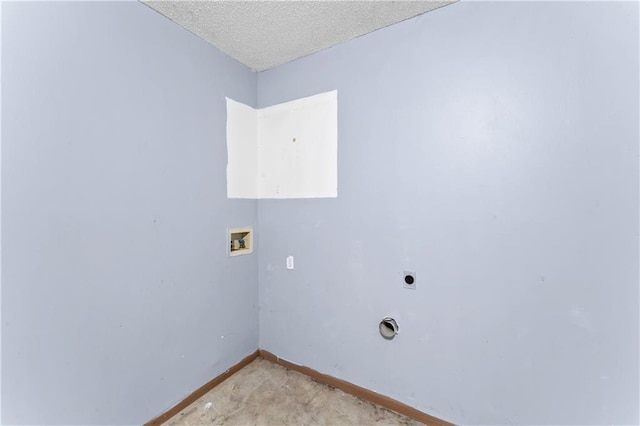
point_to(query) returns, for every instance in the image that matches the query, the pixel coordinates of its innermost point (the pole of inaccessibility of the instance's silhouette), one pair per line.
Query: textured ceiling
(263, 34)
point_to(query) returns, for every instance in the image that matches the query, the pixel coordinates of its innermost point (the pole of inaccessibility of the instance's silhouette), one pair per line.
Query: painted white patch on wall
(298, 148)
(242, 150)
(295, 149)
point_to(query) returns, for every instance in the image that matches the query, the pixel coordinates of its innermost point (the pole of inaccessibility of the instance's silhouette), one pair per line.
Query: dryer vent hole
(388, 328)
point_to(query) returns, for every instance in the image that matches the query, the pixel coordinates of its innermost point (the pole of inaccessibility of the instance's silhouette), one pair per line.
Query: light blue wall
(492, 148)
(116, 288)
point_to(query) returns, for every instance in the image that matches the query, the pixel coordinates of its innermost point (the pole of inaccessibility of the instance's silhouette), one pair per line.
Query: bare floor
(264, 393)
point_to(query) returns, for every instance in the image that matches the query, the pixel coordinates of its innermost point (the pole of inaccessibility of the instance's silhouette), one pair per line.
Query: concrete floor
(264, 393)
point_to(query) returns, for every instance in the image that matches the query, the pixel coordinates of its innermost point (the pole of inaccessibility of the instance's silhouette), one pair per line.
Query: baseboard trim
(201, 391)
(360, 392)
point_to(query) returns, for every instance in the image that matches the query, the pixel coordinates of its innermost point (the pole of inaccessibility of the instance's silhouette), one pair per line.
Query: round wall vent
(388, 328)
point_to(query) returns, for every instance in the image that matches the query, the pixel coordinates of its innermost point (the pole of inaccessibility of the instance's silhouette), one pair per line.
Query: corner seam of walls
(1, 212)
(258, 231)
(257, 252)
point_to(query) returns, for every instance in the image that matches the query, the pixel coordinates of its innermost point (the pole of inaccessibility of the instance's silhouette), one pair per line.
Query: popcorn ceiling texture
(263, 34)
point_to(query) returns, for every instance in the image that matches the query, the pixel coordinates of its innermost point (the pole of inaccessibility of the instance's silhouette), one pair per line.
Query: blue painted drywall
(116, 288)
(492, 148)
